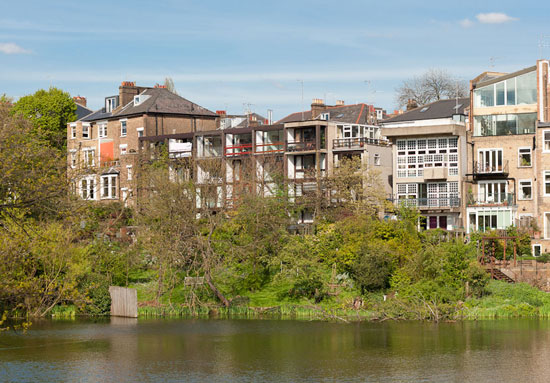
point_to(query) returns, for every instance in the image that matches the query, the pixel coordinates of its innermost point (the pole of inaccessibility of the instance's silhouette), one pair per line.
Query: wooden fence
(123, 302)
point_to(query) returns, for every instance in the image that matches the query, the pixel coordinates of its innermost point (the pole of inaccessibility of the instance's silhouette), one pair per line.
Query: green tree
(49, 112)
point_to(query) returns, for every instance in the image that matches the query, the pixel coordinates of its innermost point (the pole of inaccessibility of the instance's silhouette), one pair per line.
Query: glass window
(527, 88)
(546, 139)
(511, 91)
(524, 157)
(526, 123)
(123, 128)
(109, 186)
(500, 97)
(547, 182)
(525, 189)
(73, 131)
(85, 131)
(485, 96)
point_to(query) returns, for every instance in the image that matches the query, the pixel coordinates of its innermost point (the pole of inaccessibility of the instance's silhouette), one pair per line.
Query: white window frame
(519, 156)
(93, 188)
(544, 182)
(520, 192)
(109, 179)
(73, 131)
(87, 156)
(88, 131)
(123, 149)
(481, 156)
(544, 150)
(73, 158)
(102, 129)
(533, 249)
(129, 174)
(124, 123)
(140, 132)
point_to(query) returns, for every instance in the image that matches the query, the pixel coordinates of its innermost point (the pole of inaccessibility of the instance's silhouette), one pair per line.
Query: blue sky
(225, 54)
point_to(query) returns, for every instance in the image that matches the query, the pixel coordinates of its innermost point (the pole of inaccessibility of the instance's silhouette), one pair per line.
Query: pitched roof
(161, 100)
(354, 114)
(82, 111)
(436, 109)
(97, 115)
(245, 123)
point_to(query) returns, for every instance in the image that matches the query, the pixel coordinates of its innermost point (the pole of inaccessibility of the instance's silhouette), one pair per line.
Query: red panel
(107, 151)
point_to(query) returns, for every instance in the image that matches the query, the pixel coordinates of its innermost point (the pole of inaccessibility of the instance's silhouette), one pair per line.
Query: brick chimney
(411, 104)
(340, 103)
(317, 107)
(80, 100)
(127, 90)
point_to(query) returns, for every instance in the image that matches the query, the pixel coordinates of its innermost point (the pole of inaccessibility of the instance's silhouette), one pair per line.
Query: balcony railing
(274, 147)
(445, 202)
(485, 169)
(301, 146)
(497, 199)
(356, 143)
(238, 150)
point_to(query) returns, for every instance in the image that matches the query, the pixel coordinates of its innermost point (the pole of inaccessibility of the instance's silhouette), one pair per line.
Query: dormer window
(324, 116)
(110, 104)
(136, 100)
(140, 98)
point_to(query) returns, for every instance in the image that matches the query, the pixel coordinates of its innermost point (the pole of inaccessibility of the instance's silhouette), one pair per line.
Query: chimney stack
(80, 100)
(340, 103)
(317, 107)
(127, 90)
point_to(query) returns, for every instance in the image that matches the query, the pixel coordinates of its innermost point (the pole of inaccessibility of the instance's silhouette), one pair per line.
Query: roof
(484, 79)
(97, 115)
(245, 123)
(163, 101)
(434, 110)
(82, 111)
(354, 114)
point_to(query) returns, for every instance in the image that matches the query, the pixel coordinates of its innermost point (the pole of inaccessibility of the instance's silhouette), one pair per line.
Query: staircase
(499, 275)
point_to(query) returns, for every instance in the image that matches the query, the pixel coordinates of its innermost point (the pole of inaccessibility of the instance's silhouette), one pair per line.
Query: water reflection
(128, 350)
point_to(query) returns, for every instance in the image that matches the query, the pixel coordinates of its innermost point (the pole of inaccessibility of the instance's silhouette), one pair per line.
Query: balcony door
(492, 192)
(490, 160)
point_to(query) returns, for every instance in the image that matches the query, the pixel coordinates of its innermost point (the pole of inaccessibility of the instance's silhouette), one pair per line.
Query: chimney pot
(340, 103)
(80, 100)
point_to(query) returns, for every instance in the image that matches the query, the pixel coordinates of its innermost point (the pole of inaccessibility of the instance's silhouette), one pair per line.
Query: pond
(165, 350)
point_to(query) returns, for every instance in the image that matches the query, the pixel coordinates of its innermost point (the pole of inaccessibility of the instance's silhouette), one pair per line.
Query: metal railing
(237, 150)
(273, 147)
(483, 168)
(447, 202)
(503, 199)
(359, 142)
(301, 146)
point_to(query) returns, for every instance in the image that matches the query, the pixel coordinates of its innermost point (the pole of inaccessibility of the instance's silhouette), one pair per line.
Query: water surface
(122, 350)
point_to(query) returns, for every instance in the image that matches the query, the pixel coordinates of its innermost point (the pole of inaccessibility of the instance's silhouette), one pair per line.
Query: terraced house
(103, 146)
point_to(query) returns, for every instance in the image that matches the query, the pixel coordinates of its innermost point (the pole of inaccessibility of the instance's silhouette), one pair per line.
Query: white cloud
(466, 23)
(494, 18)
(12, 49)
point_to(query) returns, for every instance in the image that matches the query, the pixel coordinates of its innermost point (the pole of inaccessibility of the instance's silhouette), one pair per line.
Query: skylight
(424, 109)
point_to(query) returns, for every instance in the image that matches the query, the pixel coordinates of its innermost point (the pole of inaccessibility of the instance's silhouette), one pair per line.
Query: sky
(256, 55)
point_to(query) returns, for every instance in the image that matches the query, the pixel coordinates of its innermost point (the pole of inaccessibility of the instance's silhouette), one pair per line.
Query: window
(73, 131)
(546, 139)
(87, 188)
(493, 192)
(89, 156)
(123, 149)
(377, 159)
(129, 169)
(324, 116)
(504, 124)
(109, 186)
(490, 161)
(537, 250)
(546, 191)
(102, 130)
(520, 90)
(86, 131)
(140, 132)
(524, 157)
(110, 104)
(413, 156)
(123, 128)
(73, 158)
(525, 189)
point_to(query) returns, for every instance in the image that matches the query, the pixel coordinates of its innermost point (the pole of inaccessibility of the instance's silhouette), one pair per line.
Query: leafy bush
(372, 270)
(97, 290)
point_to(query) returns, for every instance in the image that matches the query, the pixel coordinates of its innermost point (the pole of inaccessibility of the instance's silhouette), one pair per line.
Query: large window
(89, 156)
(493, 192)
(87, 188)
(489, 219)
(490, 161)
(433, 194)
(519, 90)
(525, 190)
(109, 186)
(504, 124)
(416, 154)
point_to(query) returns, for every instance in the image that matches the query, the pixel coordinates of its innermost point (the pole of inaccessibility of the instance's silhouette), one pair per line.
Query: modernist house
(510, 153)
(430, 160)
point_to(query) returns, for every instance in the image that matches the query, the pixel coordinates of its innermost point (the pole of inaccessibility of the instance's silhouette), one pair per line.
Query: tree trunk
(218, 293)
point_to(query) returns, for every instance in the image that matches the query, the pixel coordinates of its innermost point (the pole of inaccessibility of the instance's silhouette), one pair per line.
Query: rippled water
(120, 350)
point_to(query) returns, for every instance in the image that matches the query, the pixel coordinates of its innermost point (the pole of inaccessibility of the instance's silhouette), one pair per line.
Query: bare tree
(169, 84)
(435, 84)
